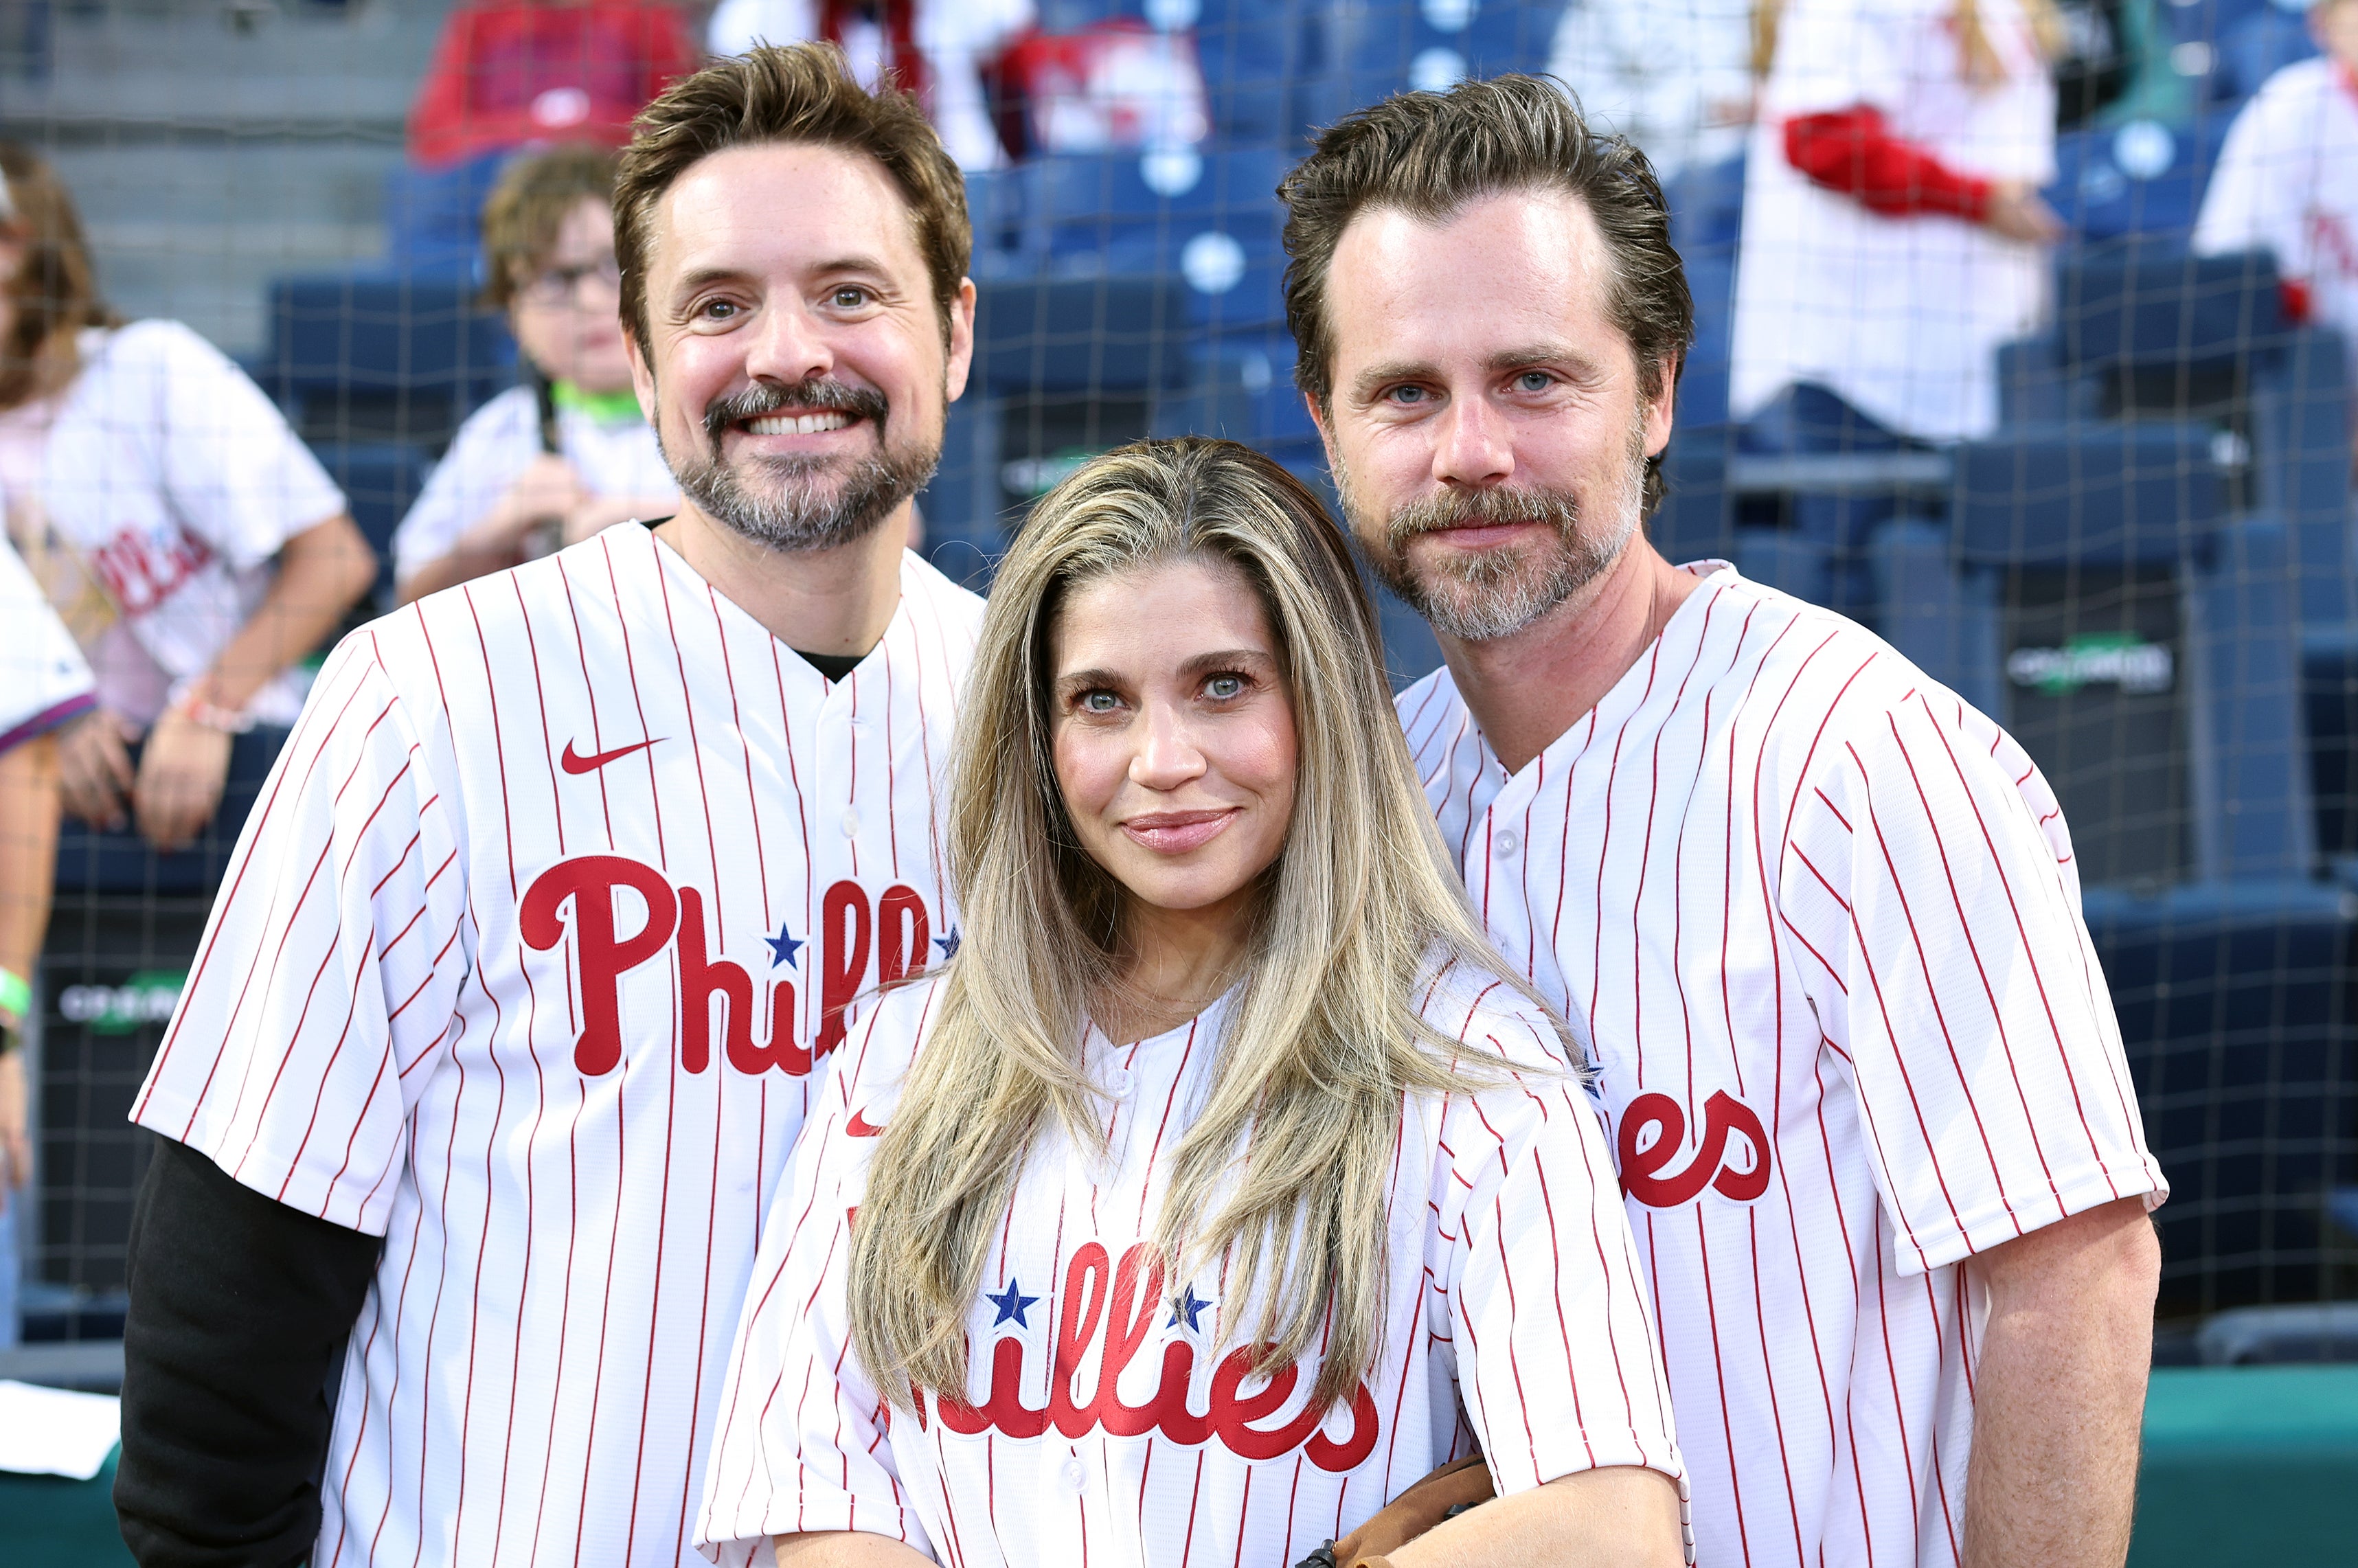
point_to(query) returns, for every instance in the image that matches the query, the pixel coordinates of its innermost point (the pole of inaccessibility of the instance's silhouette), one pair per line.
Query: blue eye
(1099, 702)
(1534, 381)
(1407, 395)
(1224, 687)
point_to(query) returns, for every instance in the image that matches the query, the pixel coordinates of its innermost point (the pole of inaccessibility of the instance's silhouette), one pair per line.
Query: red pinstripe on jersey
(1066, 1456)
(389, 1026)
(1877, 885)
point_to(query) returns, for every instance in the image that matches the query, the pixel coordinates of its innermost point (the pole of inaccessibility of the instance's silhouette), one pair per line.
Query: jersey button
(850, 823)
(1509, 842)
(1075, 1477)
(1119, 1082)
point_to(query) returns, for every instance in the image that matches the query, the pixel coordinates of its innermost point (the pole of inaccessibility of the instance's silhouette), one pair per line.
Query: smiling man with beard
(506, 1021)
(1817, 919)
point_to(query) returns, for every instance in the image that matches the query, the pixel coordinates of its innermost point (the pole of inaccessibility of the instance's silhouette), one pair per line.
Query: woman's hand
(94, 776)
(180, 779)
(548, 489)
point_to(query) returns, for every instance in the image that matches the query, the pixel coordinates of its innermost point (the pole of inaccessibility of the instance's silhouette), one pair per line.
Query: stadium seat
(2259, 46)
(1076, 335)
(432, 216)
(379, 479)
(1696, 519)
(2091, 594)
(368, 355)
(1211, 220)
(1242, 388)
(1266, 67)
(2233, 1001)
(2141, 178)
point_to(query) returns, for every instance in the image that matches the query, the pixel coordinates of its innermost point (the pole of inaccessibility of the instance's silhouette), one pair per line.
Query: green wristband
(16, 994)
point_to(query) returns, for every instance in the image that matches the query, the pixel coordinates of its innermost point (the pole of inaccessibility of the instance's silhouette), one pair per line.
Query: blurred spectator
(935, 49)
(43, 683)
(1892, 239)
(1673, 76)
(1892, 226)
(190, 541)
(2286, 182)
(507, 73)
(568, 453)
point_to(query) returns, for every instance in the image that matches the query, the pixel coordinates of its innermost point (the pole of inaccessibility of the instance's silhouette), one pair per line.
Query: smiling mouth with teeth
(798, 424)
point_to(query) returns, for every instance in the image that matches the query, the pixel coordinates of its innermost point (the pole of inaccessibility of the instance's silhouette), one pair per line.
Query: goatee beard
(1475, 597)
(801, 512)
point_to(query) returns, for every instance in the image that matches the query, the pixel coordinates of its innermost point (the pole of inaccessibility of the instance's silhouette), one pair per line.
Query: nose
(1167, 755)
(786, 345)
(1474, 446)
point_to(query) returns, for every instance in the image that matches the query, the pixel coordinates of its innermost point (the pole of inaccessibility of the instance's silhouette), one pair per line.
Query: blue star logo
(783, 947)
(1186, 1306)
(948, 944)
(1011, 1305)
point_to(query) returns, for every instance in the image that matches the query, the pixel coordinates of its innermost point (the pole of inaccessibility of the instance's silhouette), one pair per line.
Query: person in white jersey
(1893, 238)
(188, 537)
(44, 684)
(1817, 919)
(1222, 1063)
(552, 461)
(505, 1022)
(2287, 180)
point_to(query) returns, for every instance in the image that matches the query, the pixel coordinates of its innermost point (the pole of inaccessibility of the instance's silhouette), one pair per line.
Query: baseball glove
(1443, 1495)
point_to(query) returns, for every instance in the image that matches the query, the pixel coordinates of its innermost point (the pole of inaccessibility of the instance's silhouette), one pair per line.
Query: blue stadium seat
(1265, 65)
(379, 479)
(433, 216)
(2092, 595)
(1696, 519)
(1388, 45)
(2233, 1007)
(372, 355)
(1209, 219)
(1242, 388)
(2136, 306)
(1048, 336)
(2143, 177)
(2258, 46)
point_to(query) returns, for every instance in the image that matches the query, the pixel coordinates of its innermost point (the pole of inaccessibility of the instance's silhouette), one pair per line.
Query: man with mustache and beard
(1816, 919)
(507, 1019)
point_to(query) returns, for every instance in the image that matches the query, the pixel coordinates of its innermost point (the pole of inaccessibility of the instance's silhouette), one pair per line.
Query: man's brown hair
(55, 291)
(1428, 154)
(525, 210)
(797, 93)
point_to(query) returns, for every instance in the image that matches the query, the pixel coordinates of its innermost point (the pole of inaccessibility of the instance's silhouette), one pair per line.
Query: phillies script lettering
(577, 897)
(1124, 1301)
(1644, 1162)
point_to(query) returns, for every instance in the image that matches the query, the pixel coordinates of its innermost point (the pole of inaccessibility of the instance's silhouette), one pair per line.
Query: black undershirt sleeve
(240, 1307)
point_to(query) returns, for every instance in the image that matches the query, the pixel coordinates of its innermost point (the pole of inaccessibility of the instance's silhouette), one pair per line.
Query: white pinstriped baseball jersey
(1822, 923)
(557, 889)
(1112, 1421)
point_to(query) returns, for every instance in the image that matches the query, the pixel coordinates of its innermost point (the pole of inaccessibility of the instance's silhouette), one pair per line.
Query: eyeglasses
(559, 285)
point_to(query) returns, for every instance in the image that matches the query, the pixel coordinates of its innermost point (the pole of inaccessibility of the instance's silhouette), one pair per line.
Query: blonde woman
(1215, 1189)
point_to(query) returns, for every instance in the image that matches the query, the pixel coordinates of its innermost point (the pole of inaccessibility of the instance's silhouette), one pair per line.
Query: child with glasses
(554, 461)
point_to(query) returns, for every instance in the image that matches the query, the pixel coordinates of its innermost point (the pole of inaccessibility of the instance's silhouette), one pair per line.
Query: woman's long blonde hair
(1288, 1166)
(1978, 61)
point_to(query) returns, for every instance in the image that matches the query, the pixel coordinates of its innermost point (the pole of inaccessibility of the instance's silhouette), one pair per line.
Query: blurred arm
(1622, 1517)
(322, 572)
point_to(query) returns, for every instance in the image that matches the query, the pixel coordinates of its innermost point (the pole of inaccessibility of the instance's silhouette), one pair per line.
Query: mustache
(764, 398)
(1496, 506)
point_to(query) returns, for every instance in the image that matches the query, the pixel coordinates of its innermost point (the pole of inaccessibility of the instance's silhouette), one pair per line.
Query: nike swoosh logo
(859, 1126)
(574, 762)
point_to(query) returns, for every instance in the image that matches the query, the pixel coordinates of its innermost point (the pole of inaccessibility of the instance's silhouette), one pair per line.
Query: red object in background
(1111, 86)
(1853, 152)
(508, 73)
(898, 18)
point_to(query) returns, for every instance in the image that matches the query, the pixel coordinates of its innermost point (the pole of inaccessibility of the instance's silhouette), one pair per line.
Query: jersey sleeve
(802, 1441)
(328, 977)
(2241, 203)
(234, 473)
(1927, 888)
(1555, 1353)
(44, 680)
